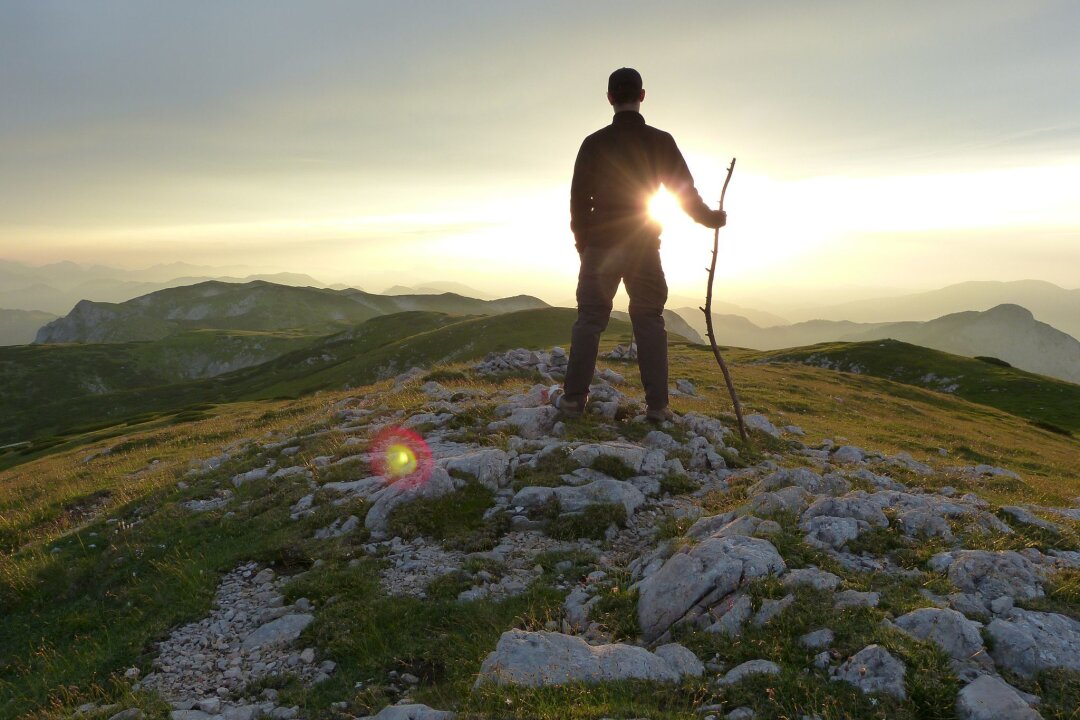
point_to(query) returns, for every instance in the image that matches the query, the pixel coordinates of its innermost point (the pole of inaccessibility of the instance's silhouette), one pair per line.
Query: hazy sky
(886, 144)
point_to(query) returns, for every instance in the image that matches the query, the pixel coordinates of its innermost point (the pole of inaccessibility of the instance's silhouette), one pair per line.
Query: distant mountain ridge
(1049, 303)
(19, 327)
(1007, 332)
(255, 306)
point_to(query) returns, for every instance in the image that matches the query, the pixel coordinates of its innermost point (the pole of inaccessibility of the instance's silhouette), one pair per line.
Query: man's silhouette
(618, 170)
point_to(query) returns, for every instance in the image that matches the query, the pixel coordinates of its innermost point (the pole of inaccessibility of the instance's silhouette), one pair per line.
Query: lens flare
(401, 456)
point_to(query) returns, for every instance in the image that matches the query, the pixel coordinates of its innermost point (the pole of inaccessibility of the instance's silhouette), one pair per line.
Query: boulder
(489, 466)
(748, 668)
(1029, 642)
(529, 422)
(991, 698)
(991, 574)
(574, 499)
(682, 660)
(401, 492)
(954, 633)
(811, 577)
(539, 659)
(731, 613)
(631, 455)
(281, 631)
(712, 569)
(874, 670)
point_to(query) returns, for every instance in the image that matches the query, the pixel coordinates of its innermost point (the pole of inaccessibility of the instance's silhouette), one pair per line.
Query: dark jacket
(618, 170)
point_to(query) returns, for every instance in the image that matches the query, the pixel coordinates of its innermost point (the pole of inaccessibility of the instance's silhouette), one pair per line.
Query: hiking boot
(568, 408)
(659, 415)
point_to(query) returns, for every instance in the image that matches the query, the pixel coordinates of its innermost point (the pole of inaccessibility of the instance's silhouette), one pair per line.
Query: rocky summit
(614, 561)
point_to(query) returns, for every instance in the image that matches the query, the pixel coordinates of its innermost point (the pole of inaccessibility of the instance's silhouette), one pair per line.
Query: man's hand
(718, 219)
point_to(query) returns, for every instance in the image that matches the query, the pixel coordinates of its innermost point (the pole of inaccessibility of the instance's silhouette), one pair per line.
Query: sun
(664, 208)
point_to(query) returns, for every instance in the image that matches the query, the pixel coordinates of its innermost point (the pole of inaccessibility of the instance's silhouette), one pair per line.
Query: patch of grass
(677, 484)
(672, 527)
(443, 375)
(1060, 693)
(1062, 594)
(613, 467)
(627, 699)
(449, 585)
(616, 610)
(591, 524)
(548, 471)
(456, 518)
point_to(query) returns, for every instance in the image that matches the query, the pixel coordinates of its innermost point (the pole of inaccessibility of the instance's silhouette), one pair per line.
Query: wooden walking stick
(708, 316)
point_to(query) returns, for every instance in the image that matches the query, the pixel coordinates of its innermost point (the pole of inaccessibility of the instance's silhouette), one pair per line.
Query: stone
(685, 387)
(128, 714)
(574, 499)
(853, 505)
(826, 532)
(283, 630)
(991, 698)
(741, 713)
(714, 567)
(403, 491)
(1029, 642)
(530, 422)
(805, 478)
(757, 421)
(811, 577)
(855, 598)
(732, 612)
(489, 466)
(818, 639)
(410, 712)
(631, 455)
(748, 668)
(1026, 517)
(682, 660)
(792, 499)
(874, 670)
(991, 574)
(954, 633)
(772, 608)
(537, 659)
(848, 454)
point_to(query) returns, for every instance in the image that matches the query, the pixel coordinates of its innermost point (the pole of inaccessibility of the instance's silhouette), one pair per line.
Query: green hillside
(382, 347)
(1047, 402)
(252, 306)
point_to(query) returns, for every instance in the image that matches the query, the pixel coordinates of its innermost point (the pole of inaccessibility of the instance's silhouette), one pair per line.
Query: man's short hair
(624, 85)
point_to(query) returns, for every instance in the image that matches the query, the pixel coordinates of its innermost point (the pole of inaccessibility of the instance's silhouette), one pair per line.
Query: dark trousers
(637, 265)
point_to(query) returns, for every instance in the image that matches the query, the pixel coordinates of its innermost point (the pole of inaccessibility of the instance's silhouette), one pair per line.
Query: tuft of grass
(616, 609)
(677, 484)
(613, 467)
(592, 523)
(456, 519)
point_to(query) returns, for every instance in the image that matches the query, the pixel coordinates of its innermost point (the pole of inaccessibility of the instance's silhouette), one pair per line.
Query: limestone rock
(991, 574)
(812, 577)
(401, 492)
(631, 455)
(283, 630)
(546, 658)
(991, 698)
(489, 466)
(874, 670)
(681, 660)
(715, 567)
(956, 635)
(1029, 642)
(748, 668)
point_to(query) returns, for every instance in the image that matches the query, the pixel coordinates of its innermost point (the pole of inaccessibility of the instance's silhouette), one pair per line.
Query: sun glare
(664, 208)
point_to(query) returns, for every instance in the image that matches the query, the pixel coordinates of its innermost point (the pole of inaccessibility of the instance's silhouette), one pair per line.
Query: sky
(880, 146)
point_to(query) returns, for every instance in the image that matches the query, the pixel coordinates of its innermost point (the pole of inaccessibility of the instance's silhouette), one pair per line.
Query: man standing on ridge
(618, 170)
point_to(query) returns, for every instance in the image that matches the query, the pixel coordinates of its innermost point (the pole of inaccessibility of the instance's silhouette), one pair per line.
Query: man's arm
(581, 195)
(680, 183)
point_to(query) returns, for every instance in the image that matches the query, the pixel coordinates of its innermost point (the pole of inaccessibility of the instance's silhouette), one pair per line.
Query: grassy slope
(74, 619)
(1031, 396)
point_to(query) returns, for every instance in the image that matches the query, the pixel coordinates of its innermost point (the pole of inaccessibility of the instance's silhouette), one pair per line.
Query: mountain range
(251, 306)
(1008, 332)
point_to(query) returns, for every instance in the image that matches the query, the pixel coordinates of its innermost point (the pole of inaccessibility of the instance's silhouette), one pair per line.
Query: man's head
(624, 89)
